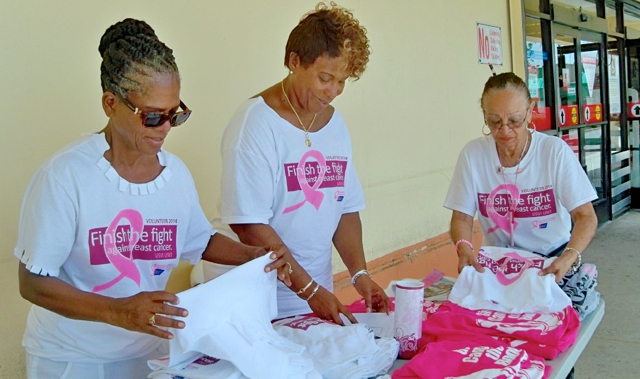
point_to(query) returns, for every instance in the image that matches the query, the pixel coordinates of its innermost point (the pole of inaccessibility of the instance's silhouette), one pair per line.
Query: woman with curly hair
(288, 174)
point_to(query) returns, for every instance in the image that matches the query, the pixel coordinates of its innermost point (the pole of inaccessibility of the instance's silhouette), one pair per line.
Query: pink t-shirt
(545, 335)
(471, 359)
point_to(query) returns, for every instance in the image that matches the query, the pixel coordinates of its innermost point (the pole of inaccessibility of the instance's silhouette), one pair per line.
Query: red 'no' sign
(483, 43)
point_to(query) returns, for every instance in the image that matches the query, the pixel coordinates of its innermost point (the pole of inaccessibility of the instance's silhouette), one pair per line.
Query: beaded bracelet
(464, 241)
(359, 274)
(313, 292)
(301, 290)
(576, 265)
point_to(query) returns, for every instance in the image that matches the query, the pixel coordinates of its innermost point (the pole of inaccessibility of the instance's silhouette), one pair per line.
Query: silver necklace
(524, 149)
(513, 203)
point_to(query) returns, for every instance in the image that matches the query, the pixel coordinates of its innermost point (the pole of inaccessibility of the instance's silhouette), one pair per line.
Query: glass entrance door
(633, 116)
(581, 117)
(618, 131)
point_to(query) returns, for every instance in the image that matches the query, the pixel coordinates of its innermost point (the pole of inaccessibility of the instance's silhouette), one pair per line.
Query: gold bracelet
(301, 291)
(314, 292)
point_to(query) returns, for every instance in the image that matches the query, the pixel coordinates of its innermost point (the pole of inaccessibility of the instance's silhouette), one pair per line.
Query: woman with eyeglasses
(106, 219)
(527, 187)
(288, 173)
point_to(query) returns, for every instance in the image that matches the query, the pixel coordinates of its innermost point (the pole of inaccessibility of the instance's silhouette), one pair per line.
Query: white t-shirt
(337, 351)
(550, 184)
(79, 222)
(262, 154)
(230, 319)
(509, 284)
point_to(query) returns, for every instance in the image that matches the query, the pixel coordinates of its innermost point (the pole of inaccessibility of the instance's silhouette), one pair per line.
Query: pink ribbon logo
(125, 266)
(311, 193)
(502, 221)
(501, 273)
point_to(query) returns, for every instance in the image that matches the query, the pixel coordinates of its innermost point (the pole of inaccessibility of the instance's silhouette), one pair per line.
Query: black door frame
(602, 205)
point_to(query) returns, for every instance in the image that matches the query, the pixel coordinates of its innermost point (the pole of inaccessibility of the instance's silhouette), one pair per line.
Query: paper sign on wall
(615, 103)
(590, 63)
(489, 44)
(533, 86)
(566, 79)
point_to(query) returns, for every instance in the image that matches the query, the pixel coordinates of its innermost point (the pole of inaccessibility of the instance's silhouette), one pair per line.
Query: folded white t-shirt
(202, 367)
(340, 351)
(510, 283)
(230, 319)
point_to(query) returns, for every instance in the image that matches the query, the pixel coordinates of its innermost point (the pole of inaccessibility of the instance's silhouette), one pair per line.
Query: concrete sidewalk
(614, 350)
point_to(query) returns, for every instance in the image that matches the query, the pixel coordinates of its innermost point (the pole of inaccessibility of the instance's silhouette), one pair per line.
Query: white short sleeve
(355, 196)
(461, 195)
(247, 188)
(47, 225)
(250, 166)
(199, 232)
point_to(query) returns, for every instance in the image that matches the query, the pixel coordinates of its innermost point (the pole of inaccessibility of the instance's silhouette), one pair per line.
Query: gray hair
(130, 49)
(505, 81)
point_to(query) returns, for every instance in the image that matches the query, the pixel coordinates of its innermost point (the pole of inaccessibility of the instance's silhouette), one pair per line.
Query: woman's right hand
(283, 261)
(462, 231)
(137, 312)
(327, 306)
(466, 257)
(132, 313)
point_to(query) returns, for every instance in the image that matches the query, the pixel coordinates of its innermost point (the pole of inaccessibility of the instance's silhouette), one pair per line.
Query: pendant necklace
(307, 140)
(513, 202)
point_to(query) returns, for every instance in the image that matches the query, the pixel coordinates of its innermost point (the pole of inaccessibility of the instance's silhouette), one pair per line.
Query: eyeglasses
(155, 119)
(511, 124)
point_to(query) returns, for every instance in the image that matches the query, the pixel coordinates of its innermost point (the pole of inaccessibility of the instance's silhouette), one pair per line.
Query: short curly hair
(333, 31)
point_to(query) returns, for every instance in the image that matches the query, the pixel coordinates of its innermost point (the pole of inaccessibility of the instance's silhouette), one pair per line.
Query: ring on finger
(290, 270)
(152, 320)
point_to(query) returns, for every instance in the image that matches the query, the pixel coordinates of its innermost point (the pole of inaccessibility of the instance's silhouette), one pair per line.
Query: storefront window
(590, 79)
(615, 96)
(532, 6)
(584, 6)
(593, 157)
(632, 24)
(610, 15)
(572, 139)
(592, 148)
(536, 57)
(568, 112)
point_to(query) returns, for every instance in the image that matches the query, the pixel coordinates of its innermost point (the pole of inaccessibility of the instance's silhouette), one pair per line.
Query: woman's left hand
(559, 267)
(327, 306)
(374, 297)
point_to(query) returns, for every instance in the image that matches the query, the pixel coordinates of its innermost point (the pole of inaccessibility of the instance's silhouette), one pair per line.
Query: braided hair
(130, 50)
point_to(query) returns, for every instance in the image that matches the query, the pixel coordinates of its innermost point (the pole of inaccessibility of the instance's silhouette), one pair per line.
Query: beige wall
(516, 37)
(409, 115)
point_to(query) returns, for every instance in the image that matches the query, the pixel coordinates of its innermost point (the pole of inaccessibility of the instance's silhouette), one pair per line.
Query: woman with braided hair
(105, 220)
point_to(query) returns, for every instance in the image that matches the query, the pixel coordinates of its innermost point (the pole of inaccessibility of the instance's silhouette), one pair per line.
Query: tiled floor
(614, 350)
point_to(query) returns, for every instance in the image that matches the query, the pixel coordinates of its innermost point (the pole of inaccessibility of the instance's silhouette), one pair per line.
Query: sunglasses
(155, 119)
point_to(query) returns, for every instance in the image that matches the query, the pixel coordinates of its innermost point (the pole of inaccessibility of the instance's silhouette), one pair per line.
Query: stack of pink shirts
(502, 323)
